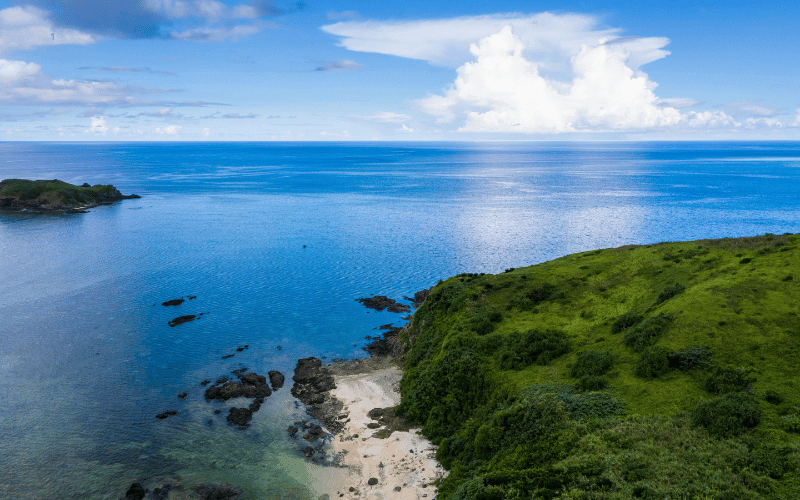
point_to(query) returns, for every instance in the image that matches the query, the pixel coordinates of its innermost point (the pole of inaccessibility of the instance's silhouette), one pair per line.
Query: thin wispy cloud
(384, 117)
(339, 66)
(123, 69)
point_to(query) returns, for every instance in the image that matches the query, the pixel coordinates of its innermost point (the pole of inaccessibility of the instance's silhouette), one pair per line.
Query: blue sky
(195, 70)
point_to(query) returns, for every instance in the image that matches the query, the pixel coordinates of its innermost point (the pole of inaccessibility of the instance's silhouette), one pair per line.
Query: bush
(773, 397)
(591, 363)
(627, 320)
(580, 407)
(533, 347)
(767, 461)
(723, 380)
(646, 333)
(691, 357)
(728, 415)
(591, 383)
(670, 292)
(653, 363)
(482, 321)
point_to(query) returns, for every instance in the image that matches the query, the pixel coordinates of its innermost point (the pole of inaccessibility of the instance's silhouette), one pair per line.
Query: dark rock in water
(399, 308)
(166, 414)
(381, 302)
(192, 297)
(292, 430)
(239, 372)
(314, 433)
(252, 385)
(182, 319)
(135, 492)
(308, 451)
(228, 356)
(222, 379)
(182, 395)
(205, 382)
(173, 302)
(217, 411)
(256, 404)
(312, 383)
(276, 379)
(240, 416)
(217, 492)
(161, 493)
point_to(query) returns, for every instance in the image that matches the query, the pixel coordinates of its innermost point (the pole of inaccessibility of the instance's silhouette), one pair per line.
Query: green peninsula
(664, 371)
(55, 195)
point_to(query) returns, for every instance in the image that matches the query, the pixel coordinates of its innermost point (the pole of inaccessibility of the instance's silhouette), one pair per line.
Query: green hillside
(662, 371)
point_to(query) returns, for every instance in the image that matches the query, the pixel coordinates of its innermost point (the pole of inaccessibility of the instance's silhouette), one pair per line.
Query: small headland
(56, 196)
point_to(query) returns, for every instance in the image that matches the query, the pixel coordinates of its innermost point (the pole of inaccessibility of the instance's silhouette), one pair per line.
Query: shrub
(627, 320)
(591, 383)
(591, 363)
(691, 357)
(727, 379)
(653, 363)
(767, 461)
(773, 397)
(533, 347)
(581, 407)
(646, 333)
(482, 321)
(728, 415)
(670, 292)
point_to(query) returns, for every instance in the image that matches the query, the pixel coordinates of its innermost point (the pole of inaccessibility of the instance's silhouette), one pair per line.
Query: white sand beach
(403, 463)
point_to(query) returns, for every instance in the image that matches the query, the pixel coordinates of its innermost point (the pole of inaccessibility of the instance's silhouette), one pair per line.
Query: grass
(54, 193)
(690, 311)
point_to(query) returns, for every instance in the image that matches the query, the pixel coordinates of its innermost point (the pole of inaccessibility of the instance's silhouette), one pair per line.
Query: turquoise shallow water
(277, 241)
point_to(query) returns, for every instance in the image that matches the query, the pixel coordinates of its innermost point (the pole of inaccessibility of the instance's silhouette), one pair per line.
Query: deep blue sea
(277, 241)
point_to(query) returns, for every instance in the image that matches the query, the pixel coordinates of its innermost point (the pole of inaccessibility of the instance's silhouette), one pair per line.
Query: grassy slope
(741, 300)
(54, 193)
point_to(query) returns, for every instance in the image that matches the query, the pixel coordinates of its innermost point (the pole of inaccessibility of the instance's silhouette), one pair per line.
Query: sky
(363, 70)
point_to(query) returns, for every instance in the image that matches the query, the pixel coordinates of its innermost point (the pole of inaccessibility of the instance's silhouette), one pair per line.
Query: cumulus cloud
(23, 28)
(98, 126)
(14, 70)
(169, 130)
(762, 123)
(796, 122)
(502, 91)
(339, 66)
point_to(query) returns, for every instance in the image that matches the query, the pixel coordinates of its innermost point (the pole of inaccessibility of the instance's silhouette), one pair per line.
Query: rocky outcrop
(276, 379)
(312, 385)
(381, 302)
(182, 319)
(251, 385)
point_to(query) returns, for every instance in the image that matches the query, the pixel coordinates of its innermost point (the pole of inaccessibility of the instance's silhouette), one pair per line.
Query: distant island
(56, 196)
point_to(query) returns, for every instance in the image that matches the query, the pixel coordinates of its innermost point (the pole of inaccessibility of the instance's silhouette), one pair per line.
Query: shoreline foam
(404, 459)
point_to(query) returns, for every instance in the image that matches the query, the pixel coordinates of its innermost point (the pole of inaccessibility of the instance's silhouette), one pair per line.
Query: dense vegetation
(54, 193)
(665, 371)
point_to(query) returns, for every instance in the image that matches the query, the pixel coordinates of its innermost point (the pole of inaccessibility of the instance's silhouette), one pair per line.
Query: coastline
(403, 463)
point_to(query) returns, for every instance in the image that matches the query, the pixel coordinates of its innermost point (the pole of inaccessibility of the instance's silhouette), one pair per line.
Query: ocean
(277, 241)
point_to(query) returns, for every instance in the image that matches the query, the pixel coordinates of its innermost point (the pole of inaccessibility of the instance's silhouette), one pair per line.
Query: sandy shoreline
(403, 463)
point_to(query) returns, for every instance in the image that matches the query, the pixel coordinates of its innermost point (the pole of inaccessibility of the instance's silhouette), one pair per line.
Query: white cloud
(709, 119)
(344, 134)
(13, 70)
(502, 91)
(169, 130)
(405, 128)
(206, 132)
(23, 28)
(446, 41)
(98, 126)
(678, 102)
(796, 122)
(384, 117)
(768, 123)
